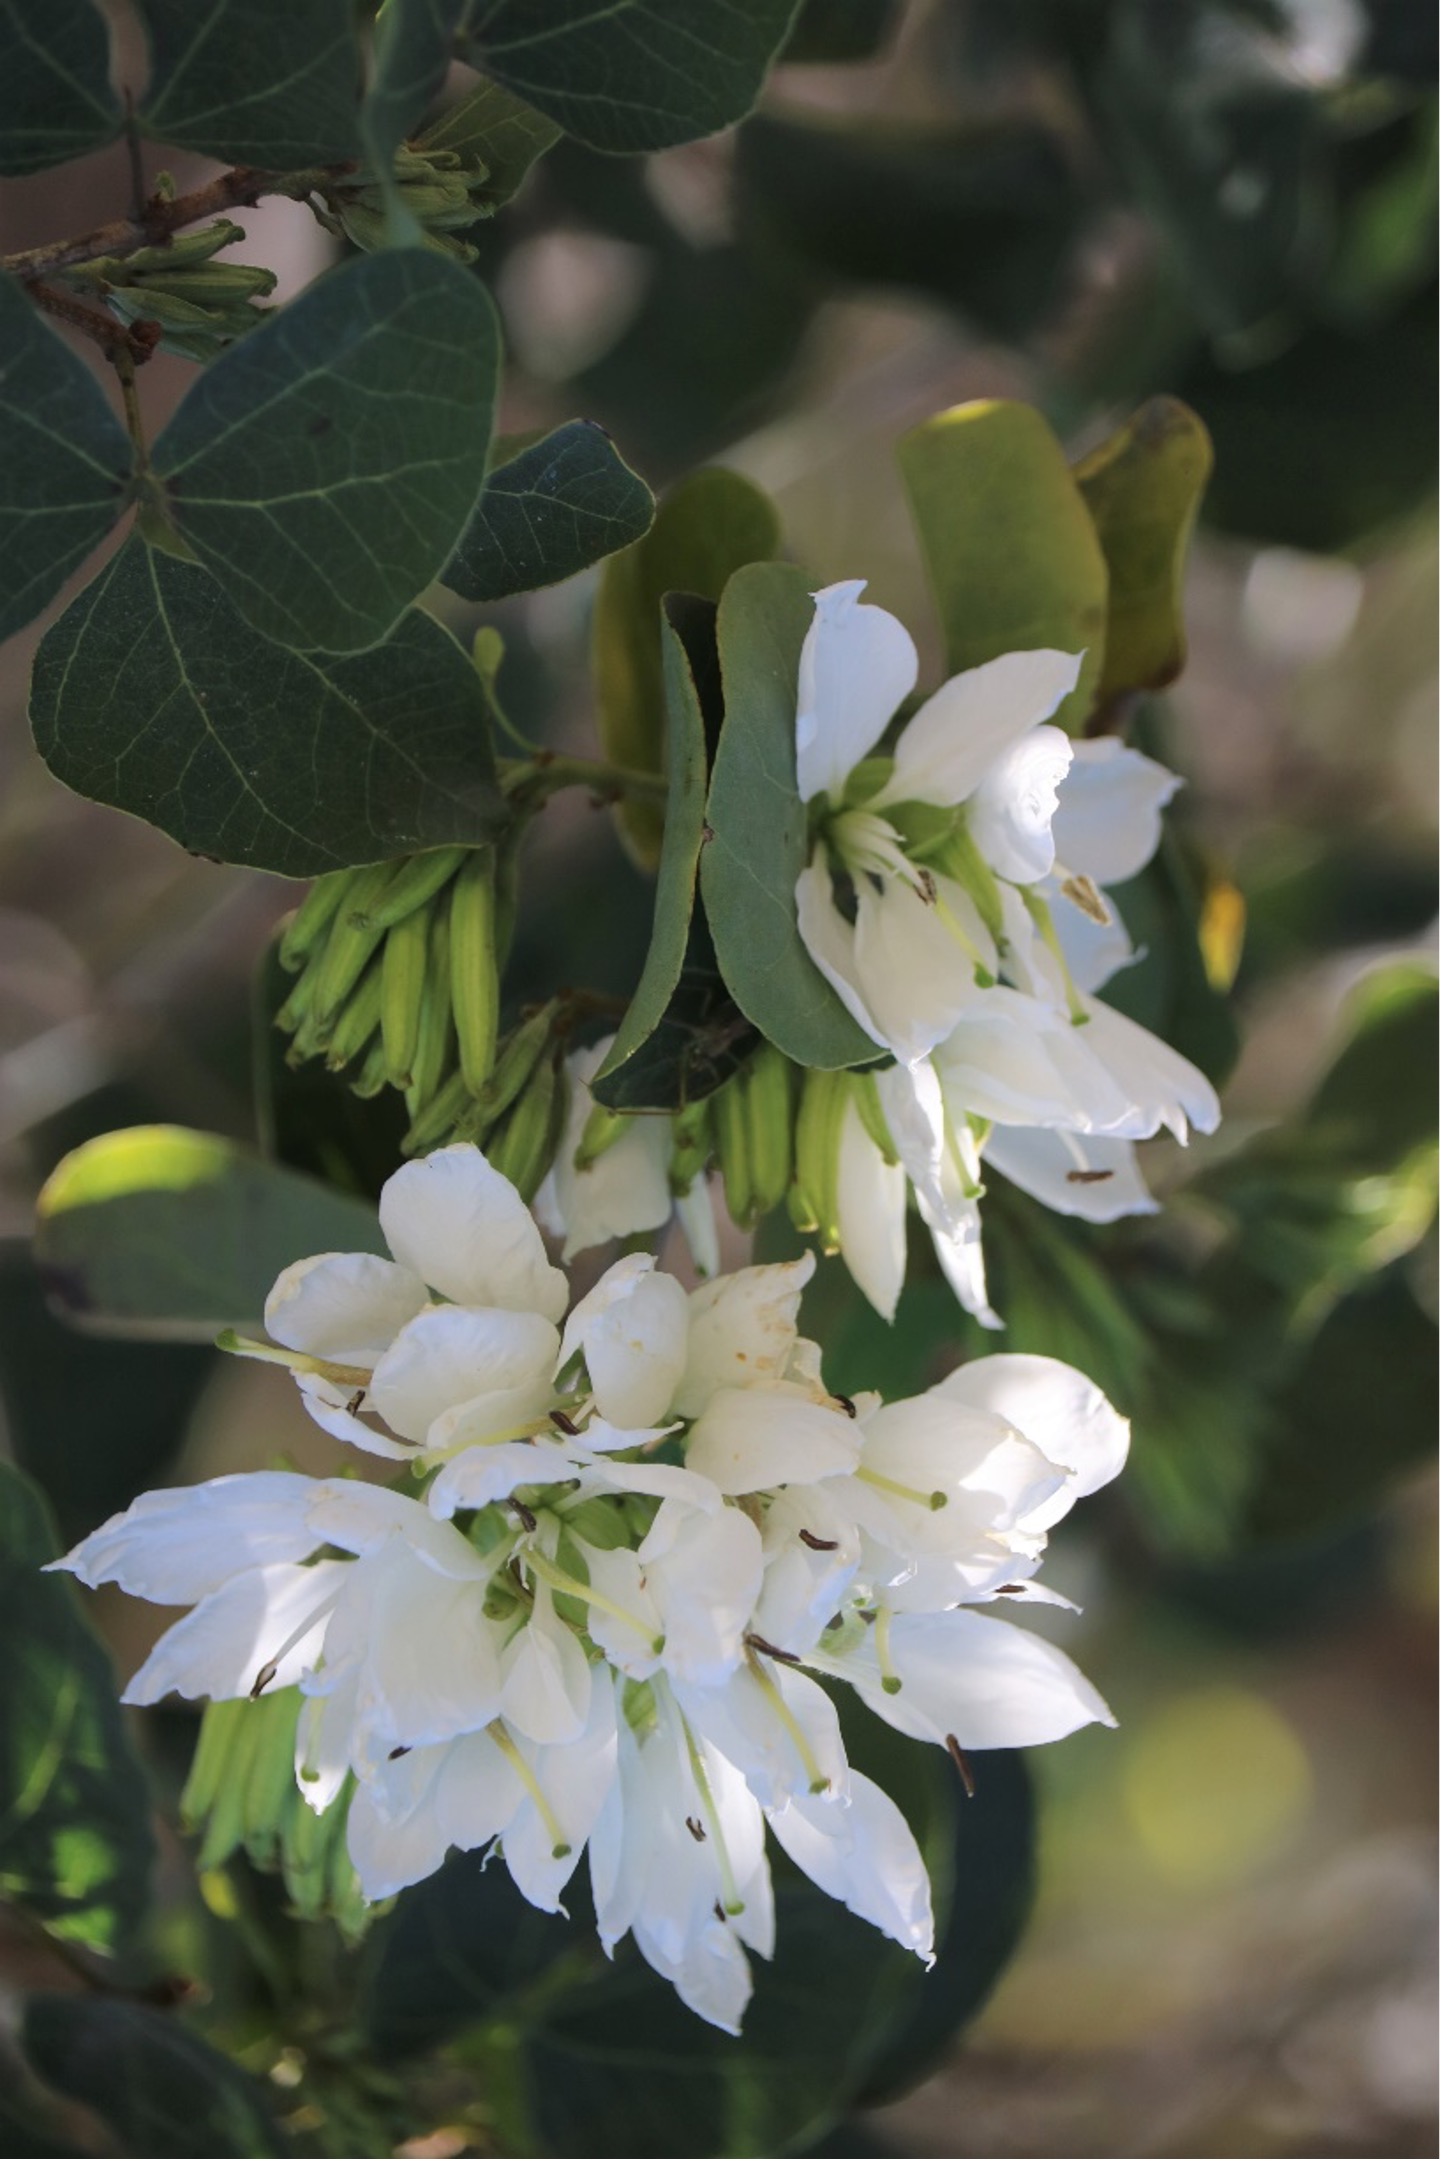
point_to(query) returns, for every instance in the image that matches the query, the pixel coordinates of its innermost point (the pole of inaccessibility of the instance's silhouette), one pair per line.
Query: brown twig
(162, 216)
(136, 341)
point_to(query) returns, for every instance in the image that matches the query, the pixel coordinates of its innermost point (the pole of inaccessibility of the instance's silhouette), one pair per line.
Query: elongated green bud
(603, 1129)
(305, 1852)
(767, 1092)
(867, 1098)
(475, 989)
(351, 941)
(516, 1060)
(818, 1149)
(526, 1143)
(270, 1781)
(733, 1146)
(435, 1037)
(442, 1120)
(412, 882)
(224, 1816)
(303, 934)
(370, 1076)
(208, 1768)
(358, 1019)
(403, 990)
(691, 1143)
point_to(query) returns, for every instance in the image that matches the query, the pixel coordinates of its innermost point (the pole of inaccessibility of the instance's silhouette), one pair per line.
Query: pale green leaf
(1143, 487)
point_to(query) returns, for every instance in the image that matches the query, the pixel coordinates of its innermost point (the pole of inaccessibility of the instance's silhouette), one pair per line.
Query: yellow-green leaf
(1143, 487)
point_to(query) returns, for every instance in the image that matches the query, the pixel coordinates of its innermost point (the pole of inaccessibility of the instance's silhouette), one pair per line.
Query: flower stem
(560, 1845)
(531, 781)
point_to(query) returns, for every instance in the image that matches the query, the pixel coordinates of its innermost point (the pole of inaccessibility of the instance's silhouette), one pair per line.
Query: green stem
(531, 781)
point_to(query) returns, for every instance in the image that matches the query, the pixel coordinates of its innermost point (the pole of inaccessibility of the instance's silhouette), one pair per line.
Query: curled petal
(270, 1618)
(748, 1440)
(462, 1227)
(1109, 813)
(949, 744)
(857, 665)
(179, 1543)
(861, 1851)
(449, 1355)
(1079, 1175)
(345, 1307)
(1013, 807)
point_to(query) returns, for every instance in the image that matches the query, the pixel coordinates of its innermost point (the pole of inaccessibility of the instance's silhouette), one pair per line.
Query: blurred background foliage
(1079, 203)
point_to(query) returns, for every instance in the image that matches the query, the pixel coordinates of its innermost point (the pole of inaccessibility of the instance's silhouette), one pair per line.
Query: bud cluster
(442, 192)
(625, 1559)
(200, 304)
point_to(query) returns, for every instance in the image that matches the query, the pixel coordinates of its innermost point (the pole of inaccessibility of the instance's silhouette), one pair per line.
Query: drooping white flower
(627, 1189)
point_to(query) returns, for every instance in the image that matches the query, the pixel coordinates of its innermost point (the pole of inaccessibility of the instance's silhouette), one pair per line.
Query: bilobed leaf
(706, 527)
(490, 127)
(550, 509)
(1143, 487)
(276, 91)
(758, 845)
(152, 695)
(633, 74)
(1010, 549)
(626, 1078)
(56, 97)
(162, 1232)
(64, 461)
(75, 1843)
(161, 2088)
(325, 466)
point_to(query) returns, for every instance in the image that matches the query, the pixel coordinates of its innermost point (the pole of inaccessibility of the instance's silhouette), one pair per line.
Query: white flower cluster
(955, 902)
(631, 1547)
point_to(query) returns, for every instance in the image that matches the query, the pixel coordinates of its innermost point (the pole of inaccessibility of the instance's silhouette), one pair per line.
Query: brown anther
(718, 1911)
(1088, 1179)
(402, 1749)
(822, 1547)
(1003, 1590)
(354, 1402)
(926, 885)
(1080, 891)
(527, 1516)
(962, 1763)
(695, 1828)
(263, 1679)
(773, 1652)
(846, 1403)
(566, 1424)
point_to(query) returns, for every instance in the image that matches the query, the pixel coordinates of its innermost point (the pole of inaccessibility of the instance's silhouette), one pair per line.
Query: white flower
(905, 965)
(626, 1190)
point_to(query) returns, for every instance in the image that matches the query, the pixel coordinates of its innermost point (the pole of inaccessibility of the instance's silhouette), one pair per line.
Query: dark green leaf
(549, 510)
(279, 93)
(831, 30)
(706, 528)
(162, 1232)
(413, 44)
(151, 694)
(635, 74)
(1010, 548)
(1143, 487)
(309, 1117)
(75, 1842)
(162, 2089)
(496, 132)
(56, 96)
(1378, 1099)
(64, 461)
(325, 466)
(638, 1074)
(758, 845)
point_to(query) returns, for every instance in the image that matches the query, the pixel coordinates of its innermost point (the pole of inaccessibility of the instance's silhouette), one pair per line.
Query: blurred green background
(1076, 202)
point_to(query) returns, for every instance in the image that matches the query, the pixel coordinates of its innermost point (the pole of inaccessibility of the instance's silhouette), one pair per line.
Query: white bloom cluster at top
(631, 1546)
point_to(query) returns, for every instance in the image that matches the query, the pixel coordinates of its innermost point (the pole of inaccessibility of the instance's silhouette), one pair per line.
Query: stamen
(1080, 891)
(402, 1749)
(527, 1516)
(280, 1355)
(847, 1404)
(500, 1736)
(354, 1402)
(820, 1547)
(269, 1671)
(695, 1828)
(711, 1816)
(890, 1680)
(936, 1500)
(773, 1652)
(561, 1581)
(566, 1424)
(962, 1763)
(1087, 1179)
(795, 1731)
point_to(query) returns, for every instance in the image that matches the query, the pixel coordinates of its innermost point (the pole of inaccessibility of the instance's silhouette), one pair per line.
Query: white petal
(428, 1657)
(742, 1721)
(916, 975)
(362, 1518)
(989, 1684)
(490, 1472)
(322, 1745)
(463, 1228)
(857, 665)
(176, 1544)
(957, 1240)
(627, 1189)
(449, 1355)
(390, 1852)
(617, 1574)
(670, 1482)
(1109, 819)
(696, 1214)
(863, 1853)
(632, 1328)
(713, 1977)
(221, 1648)
(478, 1791)
(547, 1690)
(871, 1215)
(750, 1439)
(742, 1330)
(575, 1778)
(703, 1571)
(345, 1307)
(329, 1405)
(944, 1443)
(950, 742)
(1166, 1088)
(1092, 951)
(1081, 1175)
(831, 941)
(1011, 812)
(1054, 1406)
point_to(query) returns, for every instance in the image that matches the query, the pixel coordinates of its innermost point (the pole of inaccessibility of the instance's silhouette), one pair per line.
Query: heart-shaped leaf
(279, 94)
(548, 510)
(56, 97)
(64, 461)
(151, 694)
(325, 466)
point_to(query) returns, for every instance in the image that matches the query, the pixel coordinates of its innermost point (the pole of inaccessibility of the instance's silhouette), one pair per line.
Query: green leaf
(1010, 549)
(706, 528)
(151, 694)
(550, 509)
(1167, 989)
(75, 1842)
(56, 97)
(496, 132)
(1143, 487)
(414, 40)
(832, 30)
(635, 74)
(758, 845)
(165, 1233)
(325, 466)
(64, 461)
(277, 94)
(688, 644)
(163, 2090)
